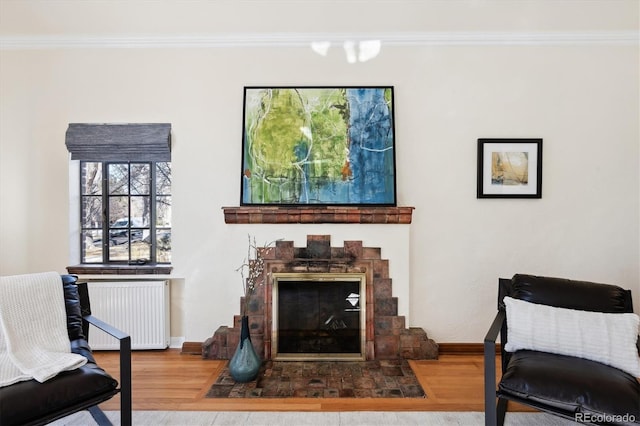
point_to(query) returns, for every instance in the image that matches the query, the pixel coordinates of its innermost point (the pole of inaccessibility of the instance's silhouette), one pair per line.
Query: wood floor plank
(169, 380)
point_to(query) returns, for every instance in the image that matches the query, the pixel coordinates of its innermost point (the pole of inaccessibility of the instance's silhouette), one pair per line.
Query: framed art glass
(318, 146)
(509, 168)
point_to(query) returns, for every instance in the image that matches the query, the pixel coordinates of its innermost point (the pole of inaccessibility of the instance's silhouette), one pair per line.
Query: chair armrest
(494, 330)
(107, 328)
(125, 366)
(490, 369)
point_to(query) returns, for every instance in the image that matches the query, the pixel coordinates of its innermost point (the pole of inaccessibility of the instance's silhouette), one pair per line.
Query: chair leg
(99, 416)
(494, 415)
(126, 404)
(490, 410)
(490, 416)
(501, 411)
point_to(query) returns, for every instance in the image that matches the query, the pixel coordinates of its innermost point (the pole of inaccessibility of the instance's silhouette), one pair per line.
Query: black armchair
(34, 403)
(571, 387)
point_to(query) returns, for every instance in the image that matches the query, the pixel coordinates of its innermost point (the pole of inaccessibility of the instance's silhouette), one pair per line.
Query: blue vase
(245, 363)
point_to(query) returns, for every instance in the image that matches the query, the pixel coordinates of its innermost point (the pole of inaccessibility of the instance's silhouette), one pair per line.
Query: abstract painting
(318, 146)
(509, 168)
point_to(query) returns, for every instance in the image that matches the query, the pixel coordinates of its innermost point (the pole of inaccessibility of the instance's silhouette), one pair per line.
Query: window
(125, 212)
(125, 193)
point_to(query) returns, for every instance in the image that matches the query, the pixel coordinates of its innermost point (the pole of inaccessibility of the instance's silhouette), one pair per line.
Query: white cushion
(606, 338)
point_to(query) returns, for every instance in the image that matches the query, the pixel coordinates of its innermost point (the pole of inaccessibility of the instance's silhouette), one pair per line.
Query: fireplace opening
(319, 316)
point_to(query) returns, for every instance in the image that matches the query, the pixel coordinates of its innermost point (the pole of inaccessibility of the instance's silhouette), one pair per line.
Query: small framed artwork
(318, 145)
(509, 168)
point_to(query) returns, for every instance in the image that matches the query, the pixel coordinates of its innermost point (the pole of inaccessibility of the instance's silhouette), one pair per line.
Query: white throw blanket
(34, 343)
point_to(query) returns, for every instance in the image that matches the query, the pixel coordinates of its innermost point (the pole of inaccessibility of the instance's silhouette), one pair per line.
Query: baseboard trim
(195, 348)
(463, 348)
(191, 348)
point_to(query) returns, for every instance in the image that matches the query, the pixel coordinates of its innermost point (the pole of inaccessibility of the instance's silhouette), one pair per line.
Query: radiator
(139, 308)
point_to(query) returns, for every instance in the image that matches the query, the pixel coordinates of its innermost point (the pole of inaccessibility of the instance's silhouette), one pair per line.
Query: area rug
(351, 418)
(324, 379)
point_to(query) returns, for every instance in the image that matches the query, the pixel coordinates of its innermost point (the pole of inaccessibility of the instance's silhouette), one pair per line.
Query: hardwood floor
(169, 380)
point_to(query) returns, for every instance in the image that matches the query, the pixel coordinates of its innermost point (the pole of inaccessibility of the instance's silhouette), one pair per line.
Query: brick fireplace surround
(387, 336)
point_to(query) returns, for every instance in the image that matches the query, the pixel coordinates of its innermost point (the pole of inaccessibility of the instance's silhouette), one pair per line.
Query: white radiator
(139, 308)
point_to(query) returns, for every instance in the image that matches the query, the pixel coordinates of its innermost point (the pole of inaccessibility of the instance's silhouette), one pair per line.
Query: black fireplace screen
(319, 317)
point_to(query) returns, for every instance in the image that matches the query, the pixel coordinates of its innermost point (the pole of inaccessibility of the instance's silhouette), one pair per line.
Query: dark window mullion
(82, 204)
(106, 236)
(152, 213)
(129, 212)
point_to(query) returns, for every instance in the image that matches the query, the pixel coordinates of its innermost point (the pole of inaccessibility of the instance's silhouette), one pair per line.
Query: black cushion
(562, 293)
(72, 306)
(81, 347)
(571, 385)
(30, 400)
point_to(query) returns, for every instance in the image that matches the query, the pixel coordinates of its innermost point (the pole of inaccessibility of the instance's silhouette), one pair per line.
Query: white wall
(582, 98)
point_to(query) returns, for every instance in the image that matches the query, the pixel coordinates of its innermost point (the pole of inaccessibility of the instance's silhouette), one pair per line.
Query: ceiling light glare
(321, 47)
(350, 50)
(369, 49)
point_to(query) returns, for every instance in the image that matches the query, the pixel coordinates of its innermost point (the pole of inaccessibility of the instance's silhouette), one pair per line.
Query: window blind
(119, 142)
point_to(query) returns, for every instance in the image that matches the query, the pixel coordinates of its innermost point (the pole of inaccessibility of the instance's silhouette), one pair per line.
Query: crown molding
(305, 39)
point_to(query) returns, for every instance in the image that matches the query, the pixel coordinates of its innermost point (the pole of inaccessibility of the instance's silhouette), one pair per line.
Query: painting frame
(509, 168)
(318, 146)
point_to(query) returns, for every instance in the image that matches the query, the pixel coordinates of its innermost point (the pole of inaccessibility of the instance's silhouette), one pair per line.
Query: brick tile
(353, 249)
(371, 253)
(382, 287)
(387, 346)
(387, 306)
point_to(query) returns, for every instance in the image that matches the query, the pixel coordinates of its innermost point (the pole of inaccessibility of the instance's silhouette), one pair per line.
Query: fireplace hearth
(384, 334)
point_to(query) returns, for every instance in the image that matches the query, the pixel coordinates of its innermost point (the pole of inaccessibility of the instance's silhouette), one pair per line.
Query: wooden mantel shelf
(284, 215)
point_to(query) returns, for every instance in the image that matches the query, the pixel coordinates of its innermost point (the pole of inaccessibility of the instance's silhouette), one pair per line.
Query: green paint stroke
(294, 137)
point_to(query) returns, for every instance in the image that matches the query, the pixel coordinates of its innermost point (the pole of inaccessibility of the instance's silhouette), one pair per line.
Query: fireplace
(383, 333)
(318, 317)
